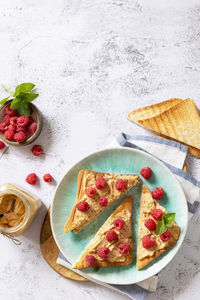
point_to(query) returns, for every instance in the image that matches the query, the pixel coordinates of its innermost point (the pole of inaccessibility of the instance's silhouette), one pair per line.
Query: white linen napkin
(172, 154)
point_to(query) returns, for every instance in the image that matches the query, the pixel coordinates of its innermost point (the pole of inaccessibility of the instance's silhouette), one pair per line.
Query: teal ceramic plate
(124, 161)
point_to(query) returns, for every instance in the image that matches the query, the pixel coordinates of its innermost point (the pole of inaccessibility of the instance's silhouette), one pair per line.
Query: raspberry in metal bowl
(19, 130)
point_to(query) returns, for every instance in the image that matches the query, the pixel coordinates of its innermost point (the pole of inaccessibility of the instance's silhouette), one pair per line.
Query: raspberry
(9, 135)
(23, 120)
(165, 236)
(3, 127)
(146, 172)
(7, 120)
(147, 241)
(2, 145)
(150, 224)
(47, 177)
(32, 127)
(157, 214)
(91, 192)
(20, 128)
(13, 120)
(20, 137)
(103, 252)
(100, 183)
(12, 127)
(37, 150)
(124, 248)
(31, 178)
(119, 224)
(27, 133)
(83, 206)
(10, 112)
(157, 193)
(111, 236)
(103, 201)
(90, 260)
(121, 185)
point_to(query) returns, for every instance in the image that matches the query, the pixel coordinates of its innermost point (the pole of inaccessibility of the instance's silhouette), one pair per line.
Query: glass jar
(31, 206)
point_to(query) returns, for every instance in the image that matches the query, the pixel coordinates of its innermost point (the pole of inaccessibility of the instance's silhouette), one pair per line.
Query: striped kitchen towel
(173, 155)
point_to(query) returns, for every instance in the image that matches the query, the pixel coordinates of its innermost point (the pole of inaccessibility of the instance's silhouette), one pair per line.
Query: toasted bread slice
(152, 110)
(181, 122)
(87, 178)
(145, 256)
(124, 212)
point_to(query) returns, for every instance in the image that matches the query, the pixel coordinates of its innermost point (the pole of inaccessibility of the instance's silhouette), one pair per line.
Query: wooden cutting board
(50, 250)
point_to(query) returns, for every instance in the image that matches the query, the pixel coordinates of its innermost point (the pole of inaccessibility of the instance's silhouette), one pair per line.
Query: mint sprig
(167, 221)
(21, 98)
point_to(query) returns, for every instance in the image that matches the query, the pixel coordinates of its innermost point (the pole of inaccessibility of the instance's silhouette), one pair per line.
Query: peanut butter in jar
(17, 210)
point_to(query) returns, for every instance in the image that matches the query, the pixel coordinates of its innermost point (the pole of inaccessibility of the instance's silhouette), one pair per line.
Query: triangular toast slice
(180, 122)
(152, 110)
(145, 256)
(124, 241)
(88, 179)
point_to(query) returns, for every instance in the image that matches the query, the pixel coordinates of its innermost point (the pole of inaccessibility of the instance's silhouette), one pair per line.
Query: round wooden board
(50, 251)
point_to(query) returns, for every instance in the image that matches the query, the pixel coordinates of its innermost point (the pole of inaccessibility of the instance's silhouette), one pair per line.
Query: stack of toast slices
(175, 118)
(113, 243)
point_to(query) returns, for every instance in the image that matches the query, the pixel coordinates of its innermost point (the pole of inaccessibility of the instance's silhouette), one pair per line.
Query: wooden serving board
(50, 250)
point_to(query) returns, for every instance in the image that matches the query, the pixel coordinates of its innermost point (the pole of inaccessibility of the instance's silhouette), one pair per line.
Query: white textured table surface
(93, 61)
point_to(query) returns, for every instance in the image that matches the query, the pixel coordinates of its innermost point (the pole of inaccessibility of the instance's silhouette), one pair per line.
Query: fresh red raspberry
(90, 260)
(103, 252)
(111, 236)
(146, 172)
(32, 127)
(157, 193)
(9, 135)
(7, 120)
(11, 127)
(13, 120)
(20, 137)
(103, 201)
(3, 127)
(20, 128)
(147, 241)
(124, 248)
(119, 224)
(165, 236)
(83, 206)
(121, 185)
(27, 133)
(31, 178)
(91, 192)
(157, 214)
(37, 150)
(100, 183)
(10, 112)
(150, 224)
(2, 145)
(47, 177)
(23, 120)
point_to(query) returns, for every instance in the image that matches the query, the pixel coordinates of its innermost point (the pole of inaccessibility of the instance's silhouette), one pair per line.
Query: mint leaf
(27, 96)
(24, 108)
(168, 219)
(160, 227)
(15, 103)
(24, 88)
(2, 102)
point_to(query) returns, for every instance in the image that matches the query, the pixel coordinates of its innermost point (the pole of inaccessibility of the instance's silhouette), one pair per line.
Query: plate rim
(153, 158)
